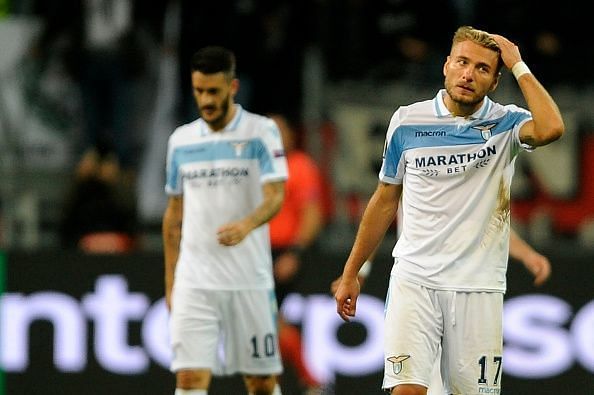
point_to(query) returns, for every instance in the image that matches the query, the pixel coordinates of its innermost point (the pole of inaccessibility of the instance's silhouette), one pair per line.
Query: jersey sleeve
(392, 170)
(273, 162)
(173, 184)
(521, 117)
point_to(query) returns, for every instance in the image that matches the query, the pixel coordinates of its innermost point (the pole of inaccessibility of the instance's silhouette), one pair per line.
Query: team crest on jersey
(485, 130)
(397, 362)
(239, 146)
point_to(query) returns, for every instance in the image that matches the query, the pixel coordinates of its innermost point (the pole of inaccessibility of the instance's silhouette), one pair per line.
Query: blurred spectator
(293, 232)
(550, 47)
(51, 67)
(112, 61)
(387, 39)
(408, 37)
(99, 214)
(105, 46)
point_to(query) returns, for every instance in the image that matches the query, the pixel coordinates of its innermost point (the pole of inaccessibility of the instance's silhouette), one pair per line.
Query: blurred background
(90, 90)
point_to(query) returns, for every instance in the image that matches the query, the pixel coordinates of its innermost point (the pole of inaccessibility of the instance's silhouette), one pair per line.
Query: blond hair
(480, 37)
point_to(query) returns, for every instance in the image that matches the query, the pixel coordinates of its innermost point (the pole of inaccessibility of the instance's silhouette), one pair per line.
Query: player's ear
(234, 86)
(495, 82)
(445, 66)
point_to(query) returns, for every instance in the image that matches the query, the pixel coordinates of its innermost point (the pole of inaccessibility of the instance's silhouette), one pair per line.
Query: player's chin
(210, 114)
(465, 95)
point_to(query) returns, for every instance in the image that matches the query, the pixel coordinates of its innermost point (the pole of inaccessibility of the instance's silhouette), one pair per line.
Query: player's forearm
(378, 216)
(274, 194)
(171, 240)
(548, 122)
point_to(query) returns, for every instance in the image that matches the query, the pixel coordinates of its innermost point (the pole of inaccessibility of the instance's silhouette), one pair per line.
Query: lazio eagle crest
(397, 362)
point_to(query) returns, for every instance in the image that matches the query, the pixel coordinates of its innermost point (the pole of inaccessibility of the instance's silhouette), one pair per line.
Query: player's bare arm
(533, 261)
(547, 124)
(379, 214)
(234, 232)
(171, 228)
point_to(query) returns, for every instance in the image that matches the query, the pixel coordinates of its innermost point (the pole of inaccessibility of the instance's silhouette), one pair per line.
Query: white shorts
(468, 325)
(227, 332)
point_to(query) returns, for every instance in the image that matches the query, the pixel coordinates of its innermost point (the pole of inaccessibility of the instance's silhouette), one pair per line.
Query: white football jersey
(220, 175)
(456, 174)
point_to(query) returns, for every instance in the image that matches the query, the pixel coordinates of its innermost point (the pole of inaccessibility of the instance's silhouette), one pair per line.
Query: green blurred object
(4, 11)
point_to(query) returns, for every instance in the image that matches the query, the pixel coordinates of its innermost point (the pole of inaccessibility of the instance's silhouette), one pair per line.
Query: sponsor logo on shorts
(397, 362)
(489, 390)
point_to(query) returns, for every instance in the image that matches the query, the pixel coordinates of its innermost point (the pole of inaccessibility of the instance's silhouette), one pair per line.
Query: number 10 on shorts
(266, 346)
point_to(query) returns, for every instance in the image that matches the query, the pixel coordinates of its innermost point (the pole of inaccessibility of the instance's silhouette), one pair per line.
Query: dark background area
(75, 274)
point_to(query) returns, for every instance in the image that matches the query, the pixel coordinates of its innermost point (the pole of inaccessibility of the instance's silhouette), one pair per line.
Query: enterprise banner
(73, 323)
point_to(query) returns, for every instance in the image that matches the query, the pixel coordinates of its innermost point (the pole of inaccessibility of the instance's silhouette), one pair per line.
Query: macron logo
(436, 133)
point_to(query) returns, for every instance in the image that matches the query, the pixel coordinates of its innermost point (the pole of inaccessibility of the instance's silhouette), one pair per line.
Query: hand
(334, 284)
(346, 298)
(232, 233)
(510, 53)
(539, 266)
(286, 267)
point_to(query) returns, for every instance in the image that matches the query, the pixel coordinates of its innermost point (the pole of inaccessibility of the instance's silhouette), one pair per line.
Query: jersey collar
(442, 111)
(232, 125)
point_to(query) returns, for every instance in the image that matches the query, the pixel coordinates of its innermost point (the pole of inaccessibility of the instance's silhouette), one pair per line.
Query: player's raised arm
(547, 123)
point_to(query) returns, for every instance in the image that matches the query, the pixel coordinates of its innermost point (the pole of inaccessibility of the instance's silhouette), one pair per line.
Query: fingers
(346, 309)
(541, 270)
(229, 236)
(345, 294)
(543, 273)
(510, 52)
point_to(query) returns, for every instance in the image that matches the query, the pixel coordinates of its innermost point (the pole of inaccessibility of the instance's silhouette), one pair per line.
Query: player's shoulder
(422, 105)
(183, 132)
(415, 112)
(511, 112)
(257, 124)
(257, 120)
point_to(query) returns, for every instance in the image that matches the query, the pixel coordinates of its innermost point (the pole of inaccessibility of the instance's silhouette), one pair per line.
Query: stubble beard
(464, 101)
(219, 122)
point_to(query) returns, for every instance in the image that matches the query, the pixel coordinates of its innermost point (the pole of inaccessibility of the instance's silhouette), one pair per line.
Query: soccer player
(536, 263)
(225, 180)
(451, 159)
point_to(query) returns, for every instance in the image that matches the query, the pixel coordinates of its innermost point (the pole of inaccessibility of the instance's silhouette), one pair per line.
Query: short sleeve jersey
(220, 175)
(456, 175)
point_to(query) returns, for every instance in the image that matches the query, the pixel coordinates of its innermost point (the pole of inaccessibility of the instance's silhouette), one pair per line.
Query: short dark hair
(214, 59)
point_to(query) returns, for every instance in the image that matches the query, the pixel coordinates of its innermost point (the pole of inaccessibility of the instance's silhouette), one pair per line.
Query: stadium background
(339, 68)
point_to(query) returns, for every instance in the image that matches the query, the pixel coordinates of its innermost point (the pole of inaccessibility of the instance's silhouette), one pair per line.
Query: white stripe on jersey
(220, 175)
(456, 174)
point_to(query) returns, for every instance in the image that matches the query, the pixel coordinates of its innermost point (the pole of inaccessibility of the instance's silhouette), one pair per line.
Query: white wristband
(365, 269)
(519, 69)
